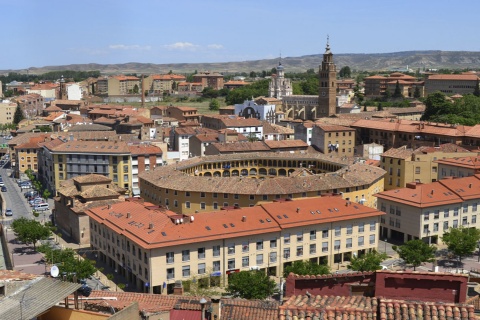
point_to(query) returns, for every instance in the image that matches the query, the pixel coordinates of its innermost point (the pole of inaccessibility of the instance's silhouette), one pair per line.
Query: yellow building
(152, 248)
(7, 110)
(122, 85)
(338, 140)
(406, 165)
(243, 180)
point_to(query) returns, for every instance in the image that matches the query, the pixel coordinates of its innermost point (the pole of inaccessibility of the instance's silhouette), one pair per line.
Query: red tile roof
(454, 77)
(472, 162)
(144, 149)
(331, 128)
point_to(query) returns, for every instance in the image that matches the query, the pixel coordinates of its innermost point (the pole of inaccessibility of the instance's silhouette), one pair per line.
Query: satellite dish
(54, 271)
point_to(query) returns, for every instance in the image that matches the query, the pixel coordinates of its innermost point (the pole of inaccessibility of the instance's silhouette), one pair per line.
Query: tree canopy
(464, 111)
(239, 95)
(214, 105)
(368, 262)
(306, 267)
(398, 92)
(18, 115)
(30, 231)
(253, 284)
(461, 241)
(416, 252)
(345, 72)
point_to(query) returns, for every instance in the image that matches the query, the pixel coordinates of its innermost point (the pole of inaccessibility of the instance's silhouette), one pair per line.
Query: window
(225, 196)
(324, 234)
(373, 226)
(392, 209)
(259, 259)
(361, 227)
(349, 229)
(349, 243)
(216, 266)
(398, 211)
(187, 193)
(436, 214)
(215, 205)
(201, 268)
(187, 204)
(465, 207)
(185, 271)
(286, 238)
(338, 231)
(231, 248)
(273, 257)
(170, 273)
(245, 246)
(464, 221)
(426, 216)
(202, 194)
(324, 246)
(474, 207)
(446, 213)
(455, 212)
(445, 225)
(185, 255)
(273, 244)
(300, 237)
(216, 251)
(235, 196)
(259, 245)
(313, 234)
(286, 253)
(299, 251)
(170, 257)
(201, 253)
(361, 241)
(435, 226)
(417, 170)
(337, 245)
(215, 195)
(231, 263)
(474, 218)
(245, 261)
(455, 223)
(175, 203)
(372, 239)
(313, 248)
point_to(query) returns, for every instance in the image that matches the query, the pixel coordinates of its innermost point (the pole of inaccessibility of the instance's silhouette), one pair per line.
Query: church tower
(327, 98)
(280, 86)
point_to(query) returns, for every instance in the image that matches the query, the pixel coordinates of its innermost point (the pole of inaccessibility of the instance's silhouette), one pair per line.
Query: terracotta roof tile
(456, 77)
(472, 162)
(398, 153)
(279, 144)
(144, 149)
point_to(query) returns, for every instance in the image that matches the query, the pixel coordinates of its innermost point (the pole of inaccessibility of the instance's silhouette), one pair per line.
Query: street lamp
(203, 302)
(385, 241)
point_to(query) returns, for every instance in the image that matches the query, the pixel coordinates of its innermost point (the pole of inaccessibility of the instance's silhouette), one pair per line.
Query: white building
(249, 109)
(74, 91)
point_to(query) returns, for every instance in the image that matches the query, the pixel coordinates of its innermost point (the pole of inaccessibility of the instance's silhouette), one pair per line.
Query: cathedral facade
(279, 86)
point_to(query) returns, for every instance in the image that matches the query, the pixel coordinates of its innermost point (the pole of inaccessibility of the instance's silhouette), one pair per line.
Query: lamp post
(203, 302)
(385, 241)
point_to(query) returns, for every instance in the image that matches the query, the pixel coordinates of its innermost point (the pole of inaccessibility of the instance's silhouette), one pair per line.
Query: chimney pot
(244, 218)
(298, 210)
(128, 215)
(150, 226)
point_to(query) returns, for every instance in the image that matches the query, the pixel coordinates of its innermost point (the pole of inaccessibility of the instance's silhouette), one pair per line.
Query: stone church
(279, 86)
(310, 107)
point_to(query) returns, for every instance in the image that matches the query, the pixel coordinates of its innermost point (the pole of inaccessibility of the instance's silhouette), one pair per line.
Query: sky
(62, 32)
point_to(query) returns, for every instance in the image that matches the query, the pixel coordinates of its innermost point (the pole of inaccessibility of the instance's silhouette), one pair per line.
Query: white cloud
(182, 46)
(128, 47)
(215, 46)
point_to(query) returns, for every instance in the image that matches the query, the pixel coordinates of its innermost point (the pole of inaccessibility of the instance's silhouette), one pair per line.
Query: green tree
(368, 262)
(398, 92)
(379, 107)
(345, 72)
(416, 252)
(461, 241)
(214, 105)
(387, 95)
(358, 94)
(253, 74)
(135, 89)
(253, 284)
(18, 116)
(476, 92)
(239, 95)
(306, 267)
(416, 93)
(46, 194)
(30, 231)
(209, 93)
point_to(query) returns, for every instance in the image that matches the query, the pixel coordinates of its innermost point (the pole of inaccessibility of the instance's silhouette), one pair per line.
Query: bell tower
(327, 95)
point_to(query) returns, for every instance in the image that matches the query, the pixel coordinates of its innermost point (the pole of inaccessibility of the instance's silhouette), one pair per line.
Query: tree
(46, 194)
(18, 116)
(345, 72)
(416, 93)
(476, 92)
(30, 231)
(209, 93)
(253, 74)
(368, 262)
(214, 105)
(379, 107)
(306, 267)
(461, 241)
(416, 252)
(253, 284)
(135, 89)
(387, 94)
(398, 92)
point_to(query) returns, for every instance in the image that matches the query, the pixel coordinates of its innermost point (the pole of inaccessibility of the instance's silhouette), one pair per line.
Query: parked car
(31, 193)
(20, 182)
(36, 201)
(8, 212)
(2, 184)
(41, 207)
(25, 186)
(4, 189)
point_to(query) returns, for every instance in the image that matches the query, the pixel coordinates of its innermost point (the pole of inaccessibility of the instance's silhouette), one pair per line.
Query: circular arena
(240, 180)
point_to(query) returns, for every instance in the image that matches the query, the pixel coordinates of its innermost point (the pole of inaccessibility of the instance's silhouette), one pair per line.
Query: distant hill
(366, 62)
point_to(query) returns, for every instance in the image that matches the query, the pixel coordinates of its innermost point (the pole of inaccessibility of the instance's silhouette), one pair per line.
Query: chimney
(431, 192)
(129, 215)
(150, 225)
(470, 186)
(216, 307)
(109, 206)
(298, 210)
(178, 288)
(244, 218)
(192, 218)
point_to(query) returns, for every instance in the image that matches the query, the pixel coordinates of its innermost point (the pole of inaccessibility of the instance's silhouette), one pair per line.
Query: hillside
(367, 62)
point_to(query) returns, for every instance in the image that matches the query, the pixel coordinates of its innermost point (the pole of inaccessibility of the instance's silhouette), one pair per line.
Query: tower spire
(327, 48)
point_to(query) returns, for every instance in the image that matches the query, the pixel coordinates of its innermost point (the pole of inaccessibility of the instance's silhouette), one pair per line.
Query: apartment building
(451, 83)
(334, 139)
(158, 84)
(405, 165)
(63, 160)
(7, 111)
(123, 85)
(31, 104)
(153, 247)
(144, 157)
(47, 90)
(458, 166)
(375, 86)
(249, 127)
(183, 114)
(212, 80)
(26, 153)
(426, 211)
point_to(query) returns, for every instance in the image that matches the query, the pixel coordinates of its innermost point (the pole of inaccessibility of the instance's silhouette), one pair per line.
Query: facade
(279, 86)
(144, 158)
(64, 160)
(157, 84)
(234, 84)
(7, 111)
(304, 107)
(179, 139)
(151, 245)
(212, 182)
(327, 98)
(26, 154)
(405, 165)
(459, 167)
(334, 139)
(276, 132)
(78, 194)
(426, 211)
(47, 90)
(377, 85)
(31, 104)
(74, 91)
(208, 79)
(183, 114)
(123, 85)
(451, 83)
(249, 127)
(262, 112)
